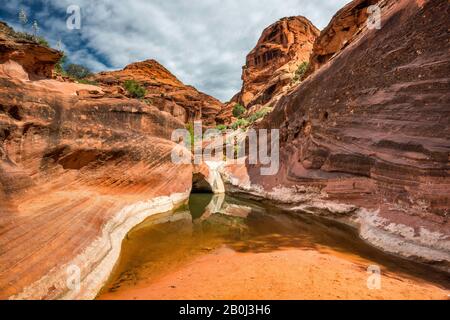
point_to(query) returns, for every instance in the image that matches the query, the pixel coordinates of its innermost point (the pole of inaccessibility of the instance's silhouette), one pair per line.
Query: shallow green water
(167, 241)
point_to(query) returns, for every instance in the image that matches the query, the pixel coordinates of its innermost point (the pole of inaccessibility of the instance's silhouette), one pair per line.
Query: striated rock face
(371, 129)
(38, 61)
(349, 22)
(79, 167)
(271, 65)
(166, 92)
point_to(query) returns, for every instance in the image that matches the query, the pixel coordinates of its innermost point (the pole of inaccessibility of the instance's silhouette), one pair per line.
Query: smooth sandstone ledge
(98, 260)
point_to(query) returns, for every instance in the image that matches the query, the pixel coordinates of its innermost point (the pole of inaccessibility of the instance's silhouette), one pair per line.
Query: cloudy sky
(203, 42)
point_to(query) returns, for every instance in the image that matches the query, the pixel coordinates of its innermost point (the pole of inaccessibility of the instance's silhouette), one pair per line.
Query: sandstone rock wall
(38, 61)
(342, 30)
(271, 65)
(166, 92)
(371, 128)
(79, 166)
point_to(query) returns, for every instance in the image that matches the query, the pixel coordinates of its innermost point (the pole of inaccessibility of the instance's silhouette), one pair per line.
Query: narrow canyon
(87, 179)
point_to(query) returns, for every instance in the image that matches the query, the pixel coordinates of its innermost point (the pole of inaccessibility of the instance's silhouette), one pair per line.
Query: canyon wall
(80, 166)
(166, 92)
(271, 65)
(366, 137)
(343, 29)
(270, 69)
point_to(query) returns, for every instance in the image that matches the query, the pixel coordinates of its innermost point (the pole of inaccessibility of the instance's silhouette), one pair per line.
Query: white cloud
(203, 42)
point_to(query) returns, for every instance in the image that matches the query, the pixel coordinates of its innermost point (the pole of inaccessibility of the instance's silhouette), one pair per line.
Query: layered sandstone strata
(342, 30)
(79, 167)
(166, 92)
(366, 137)
(270, 67)
(38, 61)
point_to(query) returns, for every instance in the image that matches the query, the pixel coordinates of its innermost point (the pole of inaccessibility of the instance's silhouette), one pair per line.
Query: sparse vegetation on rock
(238, 110)
(134, 89)
(301, 71)
(240, 124)
(77, 71)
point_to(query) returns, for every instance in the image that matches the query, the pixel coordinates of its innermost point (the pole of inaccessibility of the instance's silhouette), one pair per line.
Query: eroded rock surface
(371, 129)
(271, 65)
(166, 92)
(38, 61)
(342, 30)
(79, 167)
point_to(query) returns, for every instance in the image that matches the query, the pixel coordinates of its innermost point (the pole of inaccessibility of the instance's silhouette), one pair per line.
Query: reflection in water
(167, 241)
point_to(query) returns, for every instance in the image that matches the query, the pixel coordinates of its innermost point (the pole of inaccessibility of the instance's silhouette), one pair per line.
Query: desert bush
(241, 123)
(222, 127)
(300, 72)
(86, 81)
(238, 110)
(77, 71)
(259, 115)
(59, 66)
(134, 89)
(30, 37)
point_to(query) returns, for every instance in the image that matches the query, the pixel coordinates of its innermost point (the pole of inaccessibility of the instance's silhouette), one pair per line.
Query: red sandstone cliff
(271, 65)
(270, 69)
(342, 30)
(371, 129)
(166, 92)
(38, 61)
(79, 167)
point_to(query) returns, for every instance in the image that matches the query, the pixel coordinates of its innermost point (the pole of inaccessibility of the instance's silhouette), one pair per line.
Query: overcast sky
(203, 42)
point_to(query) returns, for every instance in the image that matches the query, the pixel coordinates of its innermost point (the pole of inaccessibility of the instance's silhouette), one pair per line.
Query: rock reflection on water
(167, 241)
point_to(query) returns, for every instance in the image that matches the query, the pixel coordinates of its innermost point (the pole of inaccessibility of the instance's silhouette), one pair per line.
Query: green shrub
(30, 37)
(241, 123)
(59, 67)
(190, 128)
(259, 115)
(134, 89)
(302, 68)
(23, 36)
(238, 110)
(77, 71)
(86, 81)
(42, 41)
(222, 127)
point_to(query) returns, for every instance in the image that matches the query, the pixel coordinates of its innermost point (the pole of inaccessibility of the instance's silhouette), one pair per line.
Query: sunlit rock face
(38, 61)
(371, 128)
(166, 92)
(271, 65)
(343, 29)
(79, 167)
